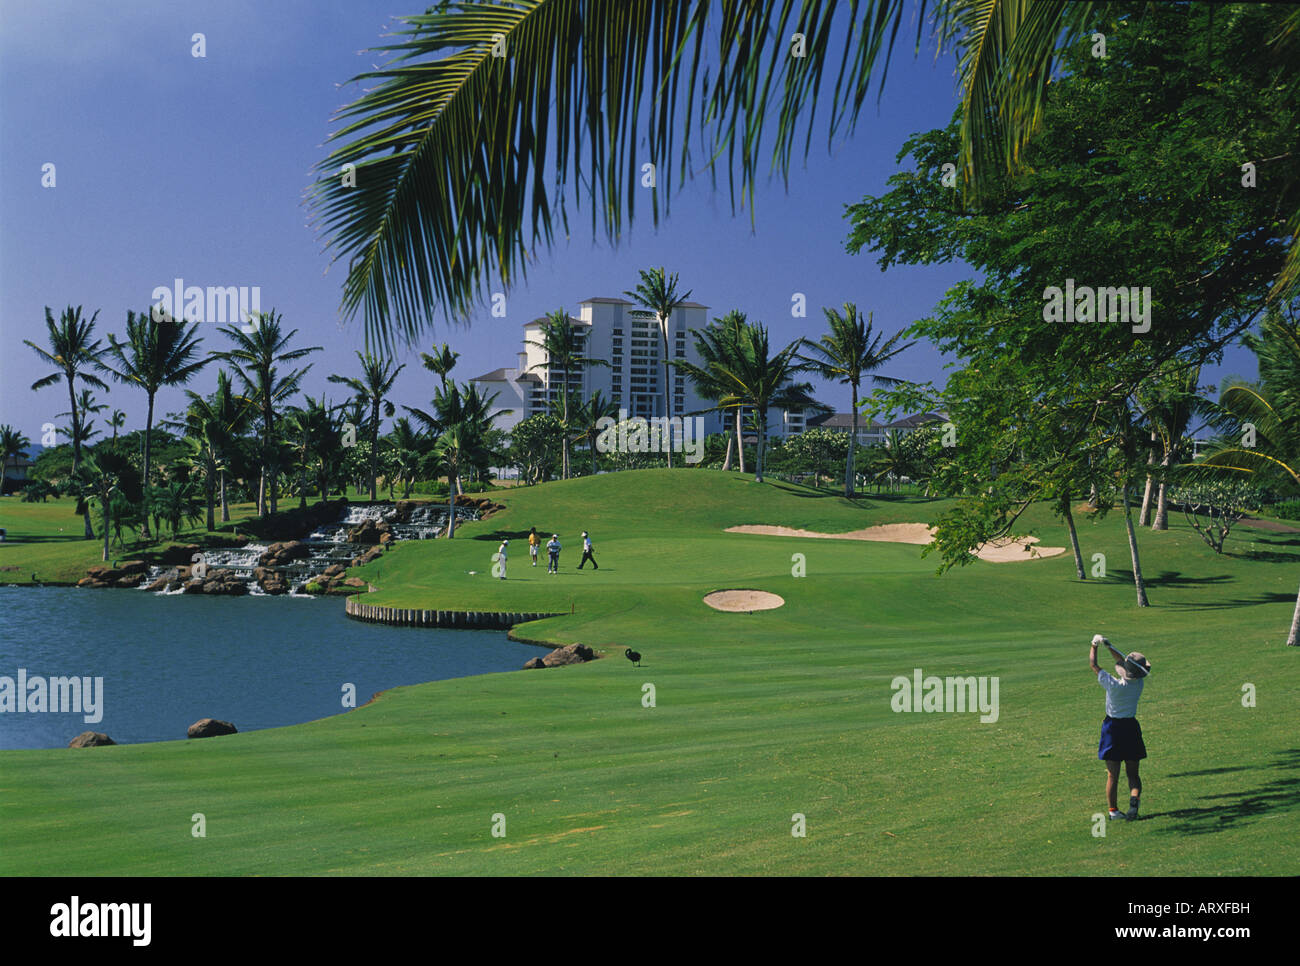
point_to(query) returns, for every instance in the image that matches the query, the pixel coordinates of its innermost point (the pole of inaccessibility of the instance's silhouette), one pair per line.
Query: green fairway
(757, 716)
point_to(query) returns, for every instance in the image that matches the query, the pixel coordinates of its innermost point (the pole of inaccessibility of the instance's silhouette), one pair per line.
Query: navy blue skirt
(1121, 740)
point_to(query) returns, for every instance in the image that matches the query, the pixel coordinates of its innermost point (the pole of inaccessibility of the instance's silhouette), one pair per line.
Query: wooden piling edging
(412, 617)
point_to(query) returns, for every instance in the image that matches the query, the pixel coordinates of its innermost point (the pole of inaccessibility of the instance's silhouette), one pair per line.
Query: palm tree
(719, 342)
(254, 359)
(657, 291)
(217, 421)
(117, 421)
(158, 351)
(1271, 453)
(564, 352)
(760, 379)
(461, 421)
(82, 429)
(313, 432)
(104, 478)
(588, 419)
(847, 353)
(377, 376)
(465, 179)
(12, 443)
(441, 362)
(74, 354)
(408, 449)
(176, 502)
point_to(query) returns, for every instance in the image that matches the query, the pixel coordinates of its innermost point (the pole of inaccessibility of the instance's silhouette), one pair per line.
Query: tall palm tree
(313, 433)
(719, 342)
(159, 351)
(847, 353)
(408, 449)
(12, 443)
(759, 378)
(254, 360)
(218, 421)
(657, 292)
(564, 352)
(82, 428)
(76, 356)
(377, 376)
(468, 157)
(1271, 454)
(461, 421)
(441, 362)
(117, 421)
(587, 420)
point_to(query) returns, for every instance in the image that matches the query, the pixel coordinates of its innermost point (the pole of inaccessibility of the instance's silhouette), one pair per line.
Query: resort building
(870, 432)
(628, 339)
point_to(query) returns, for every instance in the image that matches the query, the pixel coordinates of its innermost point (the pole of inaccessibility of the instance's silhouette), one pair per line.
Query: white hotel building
(628, 338)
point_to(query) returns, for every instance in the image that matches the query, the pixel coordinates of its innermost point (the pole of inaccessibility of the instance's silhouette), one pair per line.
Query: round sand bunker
(743, 600)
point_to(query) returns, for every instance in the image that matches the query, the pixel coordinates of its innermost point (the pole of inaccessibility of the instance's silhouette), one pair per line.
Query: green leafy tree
(13, 444)
(534, 447)
(847, 353)
(376, 382)
(76, 355)
(254, 359)
(159, 351)
(657, 292)
(564, 352)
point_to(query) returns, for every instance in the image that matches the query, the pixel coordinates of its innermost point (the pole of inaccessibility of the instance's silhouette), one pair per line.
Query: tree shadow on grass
(1239, 807)
(1171, 578)
(1268, 597)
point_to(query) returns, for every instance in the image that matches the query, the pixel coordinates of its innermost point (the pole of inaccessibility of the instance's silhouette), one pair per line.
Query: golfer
(553, 554)
(586, 553)
(533, 542)
(1121, 735)
(501, 558)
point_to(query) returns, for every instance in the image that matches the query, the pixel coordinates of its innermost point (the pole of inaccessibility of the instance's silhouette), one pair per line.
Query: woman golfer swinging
(1121, 735)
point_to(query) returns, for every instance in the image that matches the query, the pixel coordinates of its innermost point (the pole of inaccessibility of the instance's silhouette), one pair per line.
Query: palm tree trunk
(104, 501)
(88, 530)
(1133, 549)
(1162, 498)
(740, 443)
(1144, 518)
(726, 462)
(209, 487)
(1074, 536)
(853, 438)
(668, 408)
(564, 402)
(451, 501)
(762, 445)
(148, 452)
(374, 447)
(225, 507)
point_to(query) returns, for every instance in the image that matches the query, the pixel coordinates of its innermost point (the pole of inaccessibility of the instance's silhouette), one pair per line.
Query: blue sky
(174, 166)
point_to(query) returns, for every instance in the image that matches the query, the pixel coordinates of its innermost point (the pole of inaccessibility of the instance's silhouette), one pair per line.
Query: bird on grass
(633, 656)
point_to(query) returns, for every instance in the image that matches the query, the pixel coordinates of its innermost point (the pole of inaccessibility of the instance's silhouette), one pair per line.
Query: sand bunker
(743, 600)
(1006, 550)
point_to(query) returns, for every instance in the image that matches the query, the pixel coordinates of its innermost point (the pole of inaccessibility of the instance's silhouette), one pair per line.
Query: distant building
(628, 338)
(870, 432)
(16, 470)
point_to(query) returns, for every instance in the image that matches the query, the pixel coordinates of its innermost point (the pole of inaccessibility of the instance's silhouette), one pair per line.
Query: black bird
(633, 656)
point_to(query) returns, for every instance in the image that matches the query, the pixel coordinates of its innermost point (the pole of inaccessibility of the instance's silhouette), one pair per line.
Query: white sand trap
(743, 600)
(1006, 550)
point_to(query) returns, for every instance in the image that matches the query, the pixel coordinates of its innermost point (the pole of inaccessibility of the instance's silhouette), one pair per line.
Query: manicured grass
(757, 716)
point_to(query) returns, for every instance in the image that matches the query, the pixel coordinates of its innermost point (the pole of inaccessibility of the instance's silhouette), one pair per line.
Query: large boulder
(279, 554)
(210, 728)
(91, 739)
(179, 553)
(569, 654)
(271, 581)
(134, 567)
(130, 580)
(534, 663)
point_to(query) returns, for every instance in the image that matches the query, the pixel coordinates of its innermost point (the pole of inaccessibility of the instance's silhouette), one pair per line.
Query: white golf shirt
(1121, 695)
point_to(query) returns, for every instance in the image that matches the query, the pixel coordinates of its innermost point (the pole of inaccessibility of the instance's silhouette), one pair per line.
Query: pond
(257, 661)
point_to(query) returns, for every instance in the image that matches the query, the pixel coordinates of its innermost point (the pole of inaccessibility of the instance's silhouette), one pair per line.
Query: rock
(385, 539)
(131, 580)
(179, 553)
(162, 583)
(91, 739)
(534, 662)
(279, 554)
(86, 582)
(210, 728)
(134, 567)
(271, 581)
(354, 582)
(334, 570)
(569, 654)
